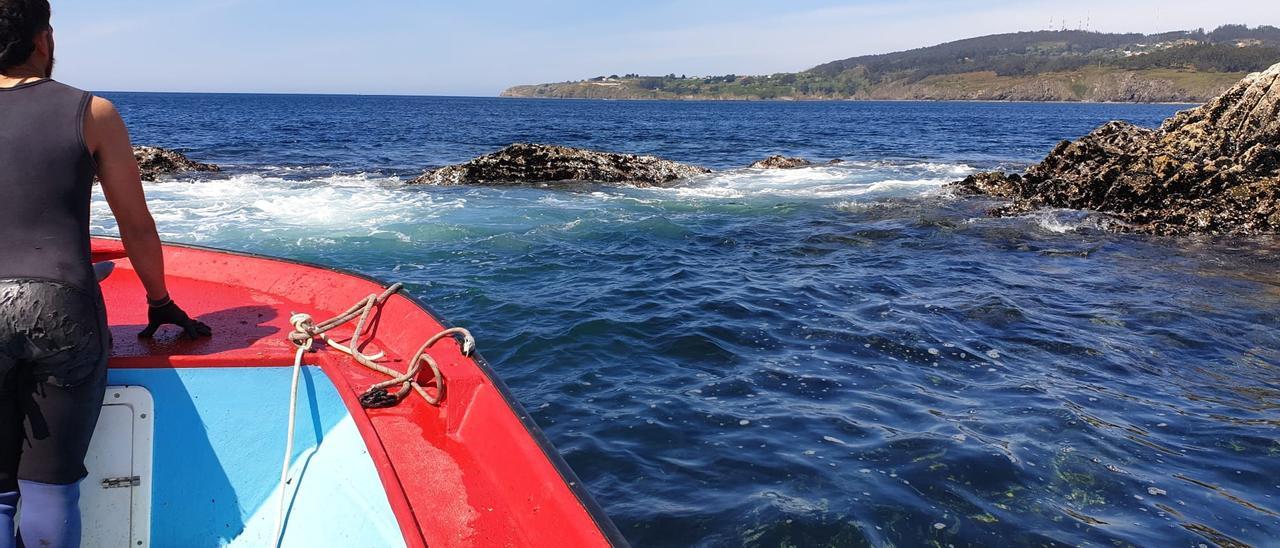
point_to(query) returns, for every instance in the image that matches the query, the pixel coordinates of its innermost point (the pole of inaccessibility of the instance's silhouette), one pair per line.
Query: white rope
(304, 334)
(297, 320)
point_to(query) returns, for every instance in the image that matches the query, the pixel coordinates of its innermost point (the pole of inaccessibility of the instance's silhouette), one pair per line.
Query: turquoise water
(842, 355)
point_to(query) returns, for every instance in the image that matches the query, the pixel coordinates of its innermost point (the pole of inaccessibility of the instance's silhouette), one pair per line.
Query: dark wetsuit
(54, 340)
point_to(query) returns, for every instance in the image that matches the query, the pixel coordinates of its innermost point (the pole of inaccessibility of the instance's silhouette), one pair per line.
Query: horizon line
(329, 94)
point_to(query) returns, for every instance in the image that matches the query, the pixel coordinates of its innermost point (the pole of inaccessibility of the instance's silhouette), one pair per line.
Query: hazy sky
(481, 47)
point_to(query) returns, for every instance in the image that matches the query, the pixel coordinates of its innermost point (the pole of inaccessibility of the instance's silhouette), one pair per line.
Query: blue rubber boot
(50, 515)
(8, 506)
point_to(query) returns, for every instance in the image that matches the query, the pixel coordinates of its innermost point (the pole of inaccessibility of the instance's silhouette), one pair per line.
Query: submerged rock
(1213, 169)
(534, 163)
(781, 162)
(154, 162)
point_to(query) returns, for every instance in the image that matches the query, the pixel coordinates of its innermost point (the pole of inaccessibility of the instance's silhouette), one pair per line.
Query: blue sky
(481, 47)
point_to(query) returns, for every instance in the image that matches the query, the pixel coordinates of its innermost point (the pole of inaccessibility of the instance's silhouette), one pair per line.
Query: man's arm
(108, 141)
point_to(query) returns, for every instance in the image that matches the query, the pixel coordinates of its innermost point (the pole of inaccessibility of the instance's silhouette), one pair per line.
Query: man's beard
(48, 72)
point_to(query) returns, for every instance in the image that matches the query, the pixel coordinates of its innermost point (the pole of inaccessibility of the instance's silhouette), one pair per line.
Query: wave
(338, 205)
(324, 208)
(1062, 221)
(849, 180)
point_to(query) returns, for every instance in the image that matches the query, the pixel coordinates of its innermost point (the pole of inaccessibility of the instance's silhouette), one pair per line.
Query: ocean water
(840, 355)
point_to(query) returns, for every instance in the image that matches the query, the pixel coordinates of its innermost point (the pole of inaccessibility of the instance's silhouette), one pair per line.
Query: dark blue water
(842, 355)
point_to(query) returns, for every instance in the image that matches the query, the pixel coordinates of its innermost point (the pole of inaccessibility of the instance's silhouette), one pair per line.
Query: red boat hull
(473, 471)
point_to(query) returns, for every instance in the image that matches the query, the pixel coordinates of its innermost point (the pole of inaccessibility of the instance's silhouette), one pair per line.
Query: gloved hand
(166, 312)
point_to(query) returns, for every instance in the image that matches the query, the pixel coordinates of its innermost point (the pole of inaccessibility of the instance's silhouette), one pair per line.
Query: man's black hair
(20, 22)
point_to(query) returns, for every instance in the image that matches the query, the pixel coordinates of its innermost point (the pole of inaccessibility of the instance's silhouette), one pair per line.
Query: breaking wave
(848, 180)
(276, 201)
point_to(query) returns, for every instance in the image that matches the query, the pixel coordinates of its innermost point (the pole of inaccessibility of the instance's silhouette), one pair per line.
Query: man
(54, 340)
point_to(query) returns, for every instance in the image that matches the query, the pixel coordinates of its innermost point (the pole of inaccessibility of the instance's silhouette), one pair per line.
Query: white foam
(361, 205)
(356, 204)
(933, 167)
(850, 180)
(1062, 221)
(1055, 225)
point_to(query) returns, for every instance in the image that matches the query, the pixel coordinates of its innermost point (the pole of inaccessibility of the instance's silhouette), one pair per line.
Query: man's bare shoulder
(100, 109)
(102, 125)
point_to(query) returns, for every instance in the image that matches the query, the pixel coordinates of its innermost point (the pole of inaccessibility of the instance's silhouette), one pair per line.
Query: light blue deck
(219, 441)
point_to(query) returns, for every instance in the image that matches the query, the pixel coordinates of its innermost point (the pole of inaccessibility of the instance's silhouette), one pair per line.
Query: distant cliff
(1182, 66)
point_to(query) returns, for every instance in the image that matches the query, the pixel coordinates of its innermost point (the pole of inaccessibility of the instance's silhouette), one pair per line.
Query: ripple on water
(833, 356)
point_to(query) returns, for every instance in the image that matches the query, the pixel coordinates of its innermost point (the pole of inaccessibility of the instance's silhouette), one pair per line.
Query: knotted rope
(377, 396)
(304, 334)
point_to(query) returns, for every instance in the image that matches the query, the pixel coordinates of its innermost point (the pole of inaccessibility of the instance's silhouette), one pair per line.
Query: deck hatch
(115, 498)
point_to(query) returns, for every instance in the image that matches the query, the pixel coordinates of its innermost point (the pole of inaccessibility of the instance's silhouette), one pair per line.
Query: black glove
(166, 312)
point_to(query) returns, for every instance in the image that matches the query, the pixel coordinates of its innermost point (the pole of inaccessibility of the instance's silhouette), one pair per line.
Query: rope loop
(380, 395)
(439, 381)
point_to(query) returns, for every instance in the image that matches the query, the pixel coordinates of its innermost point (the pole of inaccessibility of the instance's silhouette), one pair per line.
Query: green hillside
(1065, 65)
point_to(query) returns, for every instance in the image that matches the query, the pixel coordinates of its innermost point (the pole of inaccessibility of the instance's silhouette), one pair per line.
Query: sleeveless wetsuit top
(46, 178)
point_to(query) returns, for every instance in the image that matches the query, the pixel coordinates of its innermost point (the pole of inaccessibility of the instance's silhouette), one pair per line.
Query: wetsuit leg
(60, 381)
(60, 337)
(59, 422)
(50, 515)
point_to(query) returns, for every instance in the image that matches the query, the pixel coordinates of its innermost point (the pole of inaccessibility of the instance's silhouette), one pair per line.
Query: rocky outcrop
(781, 162)
(154, 162)
(533, 163)
(1213, 169)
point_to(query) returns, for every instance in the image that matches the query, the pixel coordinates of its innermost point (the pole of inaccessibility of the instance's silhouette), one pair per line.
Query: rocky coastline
(155, 163)
(526, 163)
(1078, 86)
(1214, 169)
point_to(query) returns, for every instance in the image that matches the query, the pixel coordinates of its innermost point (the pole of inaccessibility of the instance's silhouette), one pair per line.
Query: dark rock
(533, 163)
(781, 162)
(1213, 169)
(154, 162)
(994, 183)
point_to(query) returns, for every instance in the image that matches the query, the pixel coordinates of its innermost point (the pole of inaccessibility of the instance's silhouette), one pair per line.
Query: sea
(838, 355)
